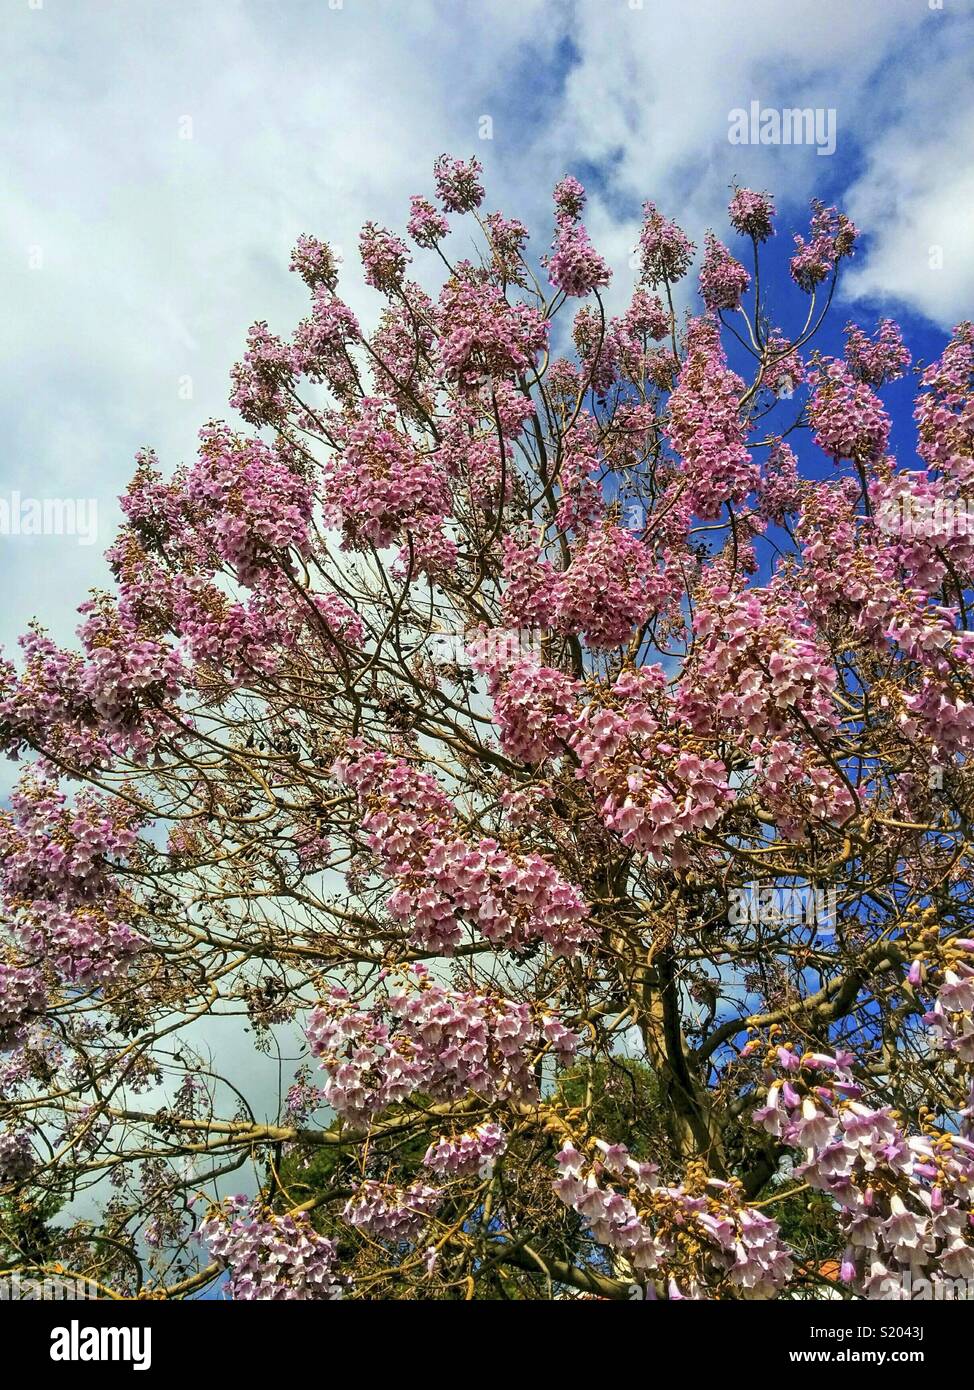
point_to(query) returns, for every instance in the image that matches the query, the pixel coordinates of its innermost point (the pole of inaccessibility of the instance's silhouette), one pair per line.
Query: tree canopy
(555, 726)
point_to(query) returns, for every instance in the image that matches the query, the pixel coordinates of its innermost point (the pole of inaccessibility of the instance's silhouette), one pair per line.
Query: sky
(160, 160)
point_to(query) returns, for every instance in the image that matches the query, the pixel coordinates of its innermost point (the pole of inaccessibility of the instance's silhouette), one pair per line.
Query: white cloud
(916, 196)
(654, 87)
(159, 251)
(650, 96)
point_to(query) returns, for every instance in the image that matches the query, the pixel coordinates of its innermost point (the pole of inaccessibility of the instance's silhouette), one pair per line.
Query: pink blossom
(576, 267)
(752, 214)
(722, 279)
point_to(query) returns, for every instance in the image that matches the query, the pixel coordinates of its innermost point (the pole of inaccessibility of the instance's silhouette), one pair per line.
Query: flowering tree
(477, 719)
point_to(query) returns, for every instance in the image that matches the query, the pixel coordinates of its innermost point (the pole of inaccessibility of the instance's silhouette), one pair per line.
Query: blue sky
(161, 159)
(133, 258)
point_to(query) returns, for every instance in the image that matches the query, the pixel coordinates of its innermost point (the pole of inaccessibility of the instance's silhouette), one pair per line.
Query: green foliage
(26, 1236)
(622, 1100)
(809, 1224)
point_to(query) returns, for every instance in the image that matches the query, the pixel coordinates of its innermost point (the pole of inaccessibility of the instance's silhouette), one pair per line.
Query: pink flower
(884, 359)
(705, 426)
(576, 268)
(458, 183)
(384, 257)
(426, 226)
(752, 214)
(665, 251)
(569, 199)
(847, 416)
(832, 237)
(722, 279)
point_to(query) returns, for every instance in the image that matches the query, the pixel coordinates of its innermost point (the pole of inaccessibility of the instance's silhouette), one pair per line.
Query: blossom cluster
(649, 791)
(426, 1038)
(832, 236)
(485, 336)
(723, 280)
(903, 1199)
(391, 1213)
(944, 410)
(17, 1159)
(951, 1019)
(877, 361)
(848, 417)
(613, 585)
(379, 485)
(758, 656)
(665, 250)
(257, 500)
(533, 707)
(57, 880)
(473, 1152)
(705, 426)
(315, 262)
(752, 214)
(575, 267)
(269, 1256)
(445, 881)
(458, 183)
(22, 996)
(695, 1239)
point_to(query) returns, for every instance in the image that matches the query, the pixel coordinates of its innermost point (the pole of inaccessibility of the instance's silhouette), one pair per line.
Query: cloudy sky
(160, 157)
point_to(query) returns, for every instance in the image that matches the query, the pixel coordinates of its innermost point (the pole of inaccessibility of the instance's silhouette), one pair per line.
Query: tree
(511, 717)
